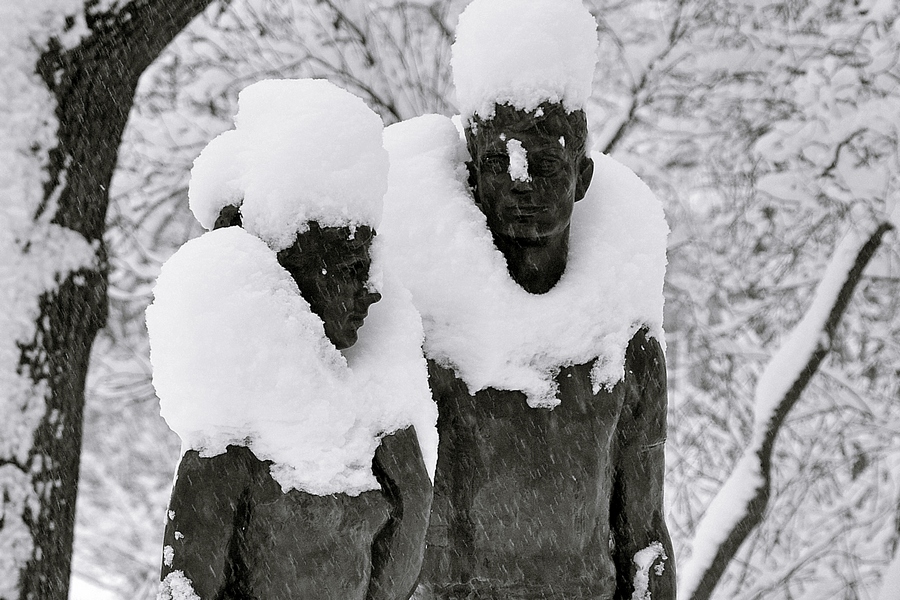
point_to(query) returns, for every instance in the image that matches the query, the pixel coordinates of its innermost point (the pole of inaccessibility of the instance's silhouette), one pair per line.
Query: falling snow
(38, 254)
(302, 150)
(490, 330)
(317, 413)
(523, 53)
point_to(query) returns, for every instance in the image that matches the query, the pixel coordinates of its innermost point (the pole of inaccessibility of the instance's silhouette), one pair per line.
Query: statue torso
(521, 505)
(279, 546)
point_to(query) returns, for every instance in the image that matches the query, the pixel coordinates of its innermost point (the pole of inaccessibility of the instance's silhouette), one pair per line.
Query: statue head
(523, 73)
(305, 171)
(528, 169)
(331, 268)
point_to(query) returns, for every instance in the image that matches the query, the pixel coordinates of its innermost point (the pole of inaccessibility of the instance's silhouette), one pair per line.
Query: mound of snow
(238, 358)
(523, 53)
(477, 319)
(302, 150)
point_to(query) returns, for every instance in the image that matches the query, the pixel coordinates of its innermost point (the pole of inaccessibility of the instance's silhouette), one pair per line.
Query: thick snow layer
(731, 503)
(477, 319)
(523, 53)
(37, 255)
(721, 517)
(238, 358)
(302, 150)
(216, 178)
(786, 365)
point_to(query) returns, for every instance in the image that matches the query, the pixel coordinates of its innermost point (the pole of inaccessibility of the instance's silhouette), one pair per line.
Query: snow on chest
(239, 358)
(477, 319)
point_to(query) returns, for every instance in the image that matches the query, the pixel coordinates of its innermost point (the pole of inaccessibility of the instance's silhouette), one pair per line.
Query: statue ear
(585, 174)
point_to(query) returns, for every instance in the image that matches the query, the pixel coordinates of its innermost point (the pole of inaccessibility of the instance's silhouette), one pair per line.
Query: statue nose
(370, 298)
(519, 185)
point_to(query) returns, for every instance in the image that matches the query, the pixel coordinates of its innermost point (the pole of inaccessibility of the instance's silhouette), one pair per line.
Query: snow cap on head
(302, 150)
(523, 53)
(215, 179)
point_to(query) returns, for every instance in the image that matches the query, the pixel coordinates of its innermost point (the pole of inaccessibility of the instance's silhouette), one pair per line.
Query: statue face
(533, 206)
(331, 268)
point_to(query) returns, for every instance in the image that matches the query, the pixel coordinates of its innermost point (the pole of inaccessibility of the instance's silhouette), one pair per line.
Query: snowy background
(768, 129)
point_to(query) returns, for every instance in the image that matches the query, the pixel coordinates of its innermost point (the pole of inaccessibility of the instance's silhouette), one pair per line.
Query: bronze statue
(238, 536)
(536, 503)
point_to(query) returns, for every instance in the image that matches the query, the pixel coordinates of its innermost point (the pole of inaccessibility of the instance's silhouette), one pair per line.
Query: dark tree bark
(93, 85)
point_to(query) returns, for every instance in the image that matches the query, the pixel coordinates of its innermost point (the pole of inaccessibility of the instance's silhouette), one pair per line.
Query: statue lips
(526, 211)
(529, 219)
(355, 318)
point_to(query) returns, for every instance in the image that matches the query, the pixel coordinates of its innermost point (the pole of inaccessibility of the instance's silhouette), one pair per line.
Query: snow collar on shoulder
(239, 358)
(477, 320)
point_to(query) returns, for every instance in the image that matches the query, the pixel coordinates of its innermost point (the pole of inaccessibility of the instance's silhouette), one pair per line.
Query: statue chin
(530, 239)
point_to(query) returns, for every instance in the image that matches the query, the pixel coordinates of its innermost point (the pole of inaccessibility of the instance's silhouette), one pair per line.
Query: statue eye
(546, 166)
(495, 164)
(354, 267)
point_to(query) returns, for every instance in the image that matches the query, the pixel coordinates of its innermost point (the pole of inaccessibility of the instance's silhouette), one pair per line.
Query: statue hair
(550, 118)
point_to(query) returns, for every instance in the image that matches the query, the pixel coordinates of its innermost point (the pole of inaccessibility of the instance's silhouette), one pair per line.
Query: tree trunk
(93, 85)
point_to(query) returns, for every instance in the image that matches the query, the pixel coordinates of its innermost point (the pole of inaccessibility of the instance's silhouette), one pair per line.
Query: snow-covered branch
(739, 505)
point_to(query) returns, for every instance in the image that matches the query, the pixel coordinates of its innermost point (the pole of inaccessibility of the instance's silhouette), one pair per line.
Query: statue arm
(204, 510)
(640, 536)
(399, 546)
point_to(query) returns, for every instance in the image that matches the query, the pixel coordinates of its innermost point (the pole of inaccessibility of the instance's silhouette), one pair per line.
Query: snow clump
(239, 358)
(643, 560)
(176, 587)
(523, 53)
(518, 161)
(302, 150)
(489, 329)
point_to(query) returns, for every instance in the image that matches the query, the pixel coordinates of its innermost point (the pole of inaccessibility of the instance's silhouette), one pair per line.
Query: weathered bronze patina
(535, 503)
(239, 537)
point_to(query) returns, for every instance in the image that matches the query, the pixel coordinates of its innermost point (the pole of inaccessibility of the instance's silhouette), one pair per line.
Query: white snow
(238, 358)
(725, 511)
(489, 330)
(518, 161)
(216, 178)
(730, 504)
(176, 586)
(792, 356)
(37, 255)
(893, 213)
(302, 150)
(523, 53)
(643, 560)
(890, 580)
(168, 555)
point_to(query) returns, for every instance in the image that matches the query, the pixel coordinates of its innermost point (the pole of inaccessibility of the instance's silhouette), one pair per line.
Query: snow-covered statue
(308, 436)
(538, 270)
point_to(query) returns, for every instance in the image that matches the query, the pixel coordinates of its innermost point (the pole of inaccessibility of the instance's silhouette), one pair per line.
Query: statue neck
(537, 267)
